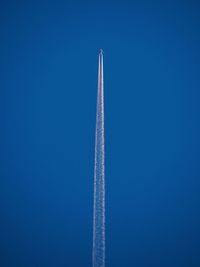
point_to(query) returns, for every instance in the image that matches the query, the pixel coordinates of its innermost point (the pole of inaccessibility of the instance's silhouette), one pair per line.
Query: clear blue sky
(48, 85)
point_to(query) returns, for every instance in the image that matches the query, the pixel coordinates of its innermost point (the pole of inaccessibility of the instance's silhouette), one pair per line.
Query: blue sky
(49, 55)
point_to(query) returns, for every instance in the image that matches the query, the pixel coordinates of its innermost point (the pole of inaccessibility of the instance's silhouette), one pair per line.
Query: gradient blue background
(48, 85)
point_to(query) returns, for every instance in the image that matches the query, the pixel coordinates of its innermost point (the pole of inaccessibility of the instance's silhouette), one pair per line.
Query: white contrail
(98, 254)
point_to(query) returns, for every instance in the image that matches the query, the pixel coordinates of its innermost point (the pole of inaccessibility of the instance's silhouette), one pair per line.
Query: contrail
(98, 253)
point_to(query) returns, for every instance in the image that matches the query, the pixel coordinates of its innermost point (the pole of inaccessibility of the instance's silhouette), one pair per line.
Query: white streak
(99, 176)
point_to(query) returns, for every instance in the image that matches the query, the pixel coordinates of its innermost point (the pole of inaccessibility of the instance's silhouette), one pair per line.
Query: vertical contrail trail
(98, 254)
